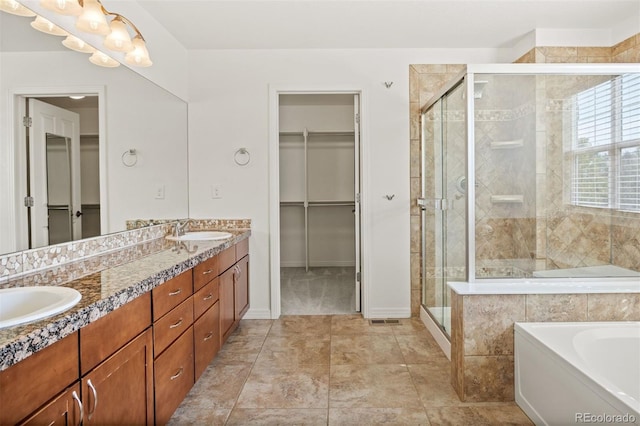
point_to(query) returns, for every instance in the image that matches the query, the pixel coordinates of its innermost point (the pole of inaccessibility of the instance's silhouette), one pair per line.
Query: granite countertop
(121, 277)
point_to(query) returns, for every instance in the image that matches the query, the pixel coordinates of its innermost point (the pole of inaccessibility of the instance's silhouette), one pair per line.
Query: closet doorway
(319, 175)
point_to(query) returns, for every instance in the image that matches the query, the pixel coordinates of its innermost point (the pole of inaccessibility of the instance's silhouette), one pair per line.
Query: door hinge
(358, 197)
(357, 276)
(26, 121)
(28, 201)
(358, 118)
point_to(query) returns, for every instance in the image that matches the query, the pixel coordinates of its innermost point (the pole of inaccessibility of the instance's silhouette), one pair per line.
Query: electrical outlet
(160, 192)
(216, 191)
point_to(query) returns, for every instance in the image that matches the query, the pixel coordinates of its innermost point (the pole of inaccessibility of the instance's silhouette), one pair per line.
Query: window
(605, 150)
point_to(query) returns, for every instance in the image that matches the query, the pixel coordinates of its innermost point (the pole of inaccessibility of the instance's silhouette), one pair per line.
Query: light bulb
(93, 19)
(118, 40)
(139, 56)
(100, 59)
(15, 8)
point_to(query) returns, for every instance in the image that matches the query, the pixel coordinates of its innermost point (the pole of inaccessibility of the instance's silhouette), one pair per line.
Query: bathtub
(575, 373)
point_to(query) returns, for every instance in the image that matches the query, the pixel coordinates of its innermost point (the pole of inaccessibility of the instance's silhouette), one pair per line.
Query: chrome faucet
(179, 227)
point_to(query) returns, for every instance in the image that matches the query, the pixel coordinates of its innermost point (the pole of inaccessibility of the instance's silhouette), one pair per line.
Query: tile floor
(333, 370)
(318, 291)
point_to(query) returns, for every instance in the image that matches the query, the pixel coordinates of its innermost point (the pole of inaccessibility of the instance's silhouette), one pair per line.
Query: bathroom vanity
(130, 351)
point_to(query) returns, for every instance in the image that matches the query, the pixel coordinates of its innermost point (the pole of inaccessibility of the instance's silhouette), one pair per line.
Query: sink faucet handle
(180, 227)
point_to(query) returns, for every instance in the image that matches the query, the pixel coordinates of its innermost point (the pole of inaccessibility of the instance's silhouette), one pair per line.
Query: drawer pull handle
(95, 399)
(208, 336)
(207, 272)
(178, 374)
(173, 293)
(77, 399)
(208, 297)
(177, 324)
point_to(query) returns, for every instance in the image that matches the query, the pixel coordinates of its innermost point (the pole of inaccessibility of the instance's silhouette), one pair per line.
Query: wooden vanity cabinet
(234, 288)
(206, 328)
(63, 410)
(26, 386)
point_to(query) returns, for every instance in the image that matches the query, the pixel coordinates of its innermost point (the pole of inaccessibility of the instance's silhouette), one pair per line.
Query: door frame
(274, 188)
(17, 225)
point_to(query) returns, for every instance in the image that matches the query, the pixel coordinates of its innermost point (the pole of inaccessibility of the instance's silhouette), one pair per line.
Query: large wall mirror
(124, 158)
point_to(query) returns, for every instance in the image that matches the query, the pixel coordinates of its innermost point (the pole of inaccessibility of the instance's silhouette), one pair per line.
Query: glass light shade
(100, 59)
(74, 43)
(92, 20)
(15, 8)
(118, 40)
(63, 7)
(48, 27)
(139, 56)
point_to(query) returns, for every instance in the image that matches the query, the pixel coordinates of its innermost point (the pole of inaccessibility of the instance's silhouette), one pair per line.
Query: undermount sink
(25, 304)
(201, 236)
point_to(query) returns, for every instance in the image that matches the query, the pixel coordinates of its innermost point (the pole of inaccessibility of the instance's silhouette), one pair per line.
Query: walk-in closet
(319, 211)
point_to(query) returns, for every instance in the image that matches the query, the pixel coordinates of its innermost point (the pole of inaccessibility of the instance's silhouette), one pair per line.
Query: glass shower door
(443, 204)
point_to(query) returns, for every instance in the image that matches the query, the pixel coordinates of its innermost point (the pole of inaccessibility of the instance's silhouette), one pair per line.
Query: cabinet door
(241, 288)
(65, 410)
(206, 338)
(227, 304)
(120, 390)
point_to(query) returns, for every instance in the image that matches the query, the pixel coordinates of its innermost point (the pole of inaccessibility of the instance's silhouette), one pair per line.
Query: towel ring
(242, 157)
(130, 157)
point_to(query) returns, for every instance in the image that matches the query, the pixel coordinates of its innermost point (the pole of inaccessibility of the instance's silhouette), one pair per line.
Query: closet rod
(318, 133)
(312, 204)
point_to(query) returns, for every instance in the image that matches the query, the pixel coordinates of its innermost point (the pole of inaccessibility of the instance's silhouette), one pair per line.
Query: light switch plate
(216, 191)
(159, 192)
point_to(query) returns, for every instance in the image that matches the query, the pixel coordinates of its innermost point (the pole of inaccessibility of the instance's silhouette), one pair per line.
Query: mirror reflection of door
(54, 174)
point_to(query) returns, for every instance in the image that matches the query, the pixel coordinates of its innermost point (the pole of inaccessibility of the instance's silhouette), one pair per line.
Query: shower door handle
(434, 203)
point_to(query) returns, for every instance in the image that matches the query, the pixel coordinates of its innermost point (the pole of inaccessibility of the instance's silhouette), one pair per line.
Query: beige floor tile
(294, 350)
(377, 416)
(410, 326)
(271, 416)
(316, 325)
(418, 348)
(494, 415)
(253, 327)
(240, 349)
(196, 415)
(507, 414)
(356, 324)
(365, 349)
(372, 386)
(433, 383)
(456, 416)
(305, 386)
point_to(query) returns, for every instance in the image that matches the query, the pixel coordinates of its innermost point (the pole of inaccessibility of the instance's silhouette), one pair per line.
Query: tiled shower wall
(424, 82)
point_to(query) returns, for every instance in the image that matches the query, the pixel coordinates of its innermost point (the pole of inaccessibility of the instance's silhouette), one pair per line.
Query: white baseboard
(322, 264)
(257, 314)
(379, 313)
(436, 332)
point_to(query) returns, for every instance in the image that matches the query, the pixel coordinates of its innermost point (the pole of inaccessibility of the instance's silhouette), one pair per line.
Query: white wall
(229, 109)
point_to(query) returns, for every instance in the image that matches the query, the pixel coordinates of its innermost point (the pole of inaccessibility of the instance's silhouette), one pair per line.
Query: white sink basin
(201, 236)
(24, 304)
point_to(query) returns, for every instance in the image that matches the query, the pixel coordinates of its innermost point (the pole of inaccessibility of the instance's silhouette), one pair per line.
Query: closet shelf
(325, 133)
(332, 203)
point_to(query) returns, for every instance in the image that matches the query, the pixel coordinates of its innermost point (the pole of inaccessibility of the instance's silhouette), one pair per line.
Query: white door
(356, 147)
(60, 129)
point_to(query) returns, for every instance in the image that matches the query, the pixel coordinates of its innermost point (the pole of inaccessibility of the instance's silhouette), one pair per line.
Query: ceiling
(304, 24)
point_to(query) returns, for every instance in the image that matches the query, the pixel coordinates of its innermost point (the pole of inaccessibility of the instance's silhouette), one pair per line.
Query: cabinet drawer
(121, 326)
(26, 386)
(206, 338)
(205, 272)
(204, 298)
(64, 410)
(172, 325)
(173, 376)
(227, 258)
(170, 294)
(242, 249)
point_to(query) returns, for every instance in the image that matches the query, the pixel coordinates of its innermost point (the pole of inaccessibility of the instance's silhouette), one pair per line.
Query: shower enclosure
(530, 171)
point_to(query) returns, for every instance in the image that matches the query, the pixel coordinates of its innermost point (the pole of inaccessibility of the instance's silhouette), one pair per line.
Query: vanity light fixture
(47, 27)
(74, 43)
(93, 20)
(119, 39)
(103, 60)
(63, 7)
(15, 8)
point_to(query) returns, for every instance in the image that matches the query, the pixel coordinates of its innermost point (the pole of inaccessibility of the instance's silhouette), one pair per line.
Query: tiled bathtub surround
(482, 342)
